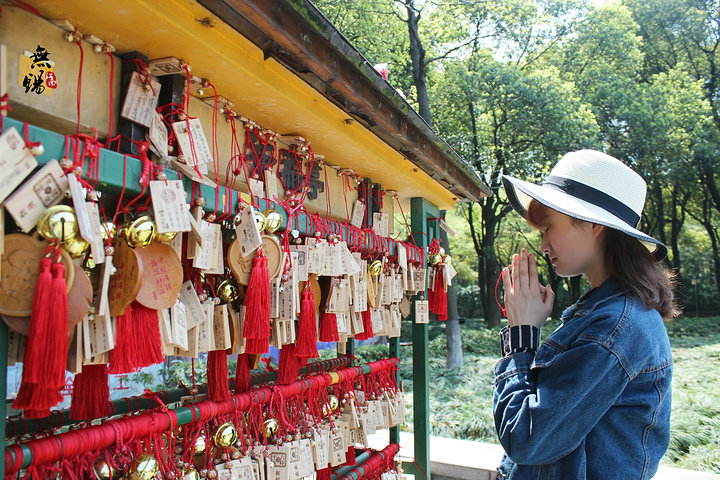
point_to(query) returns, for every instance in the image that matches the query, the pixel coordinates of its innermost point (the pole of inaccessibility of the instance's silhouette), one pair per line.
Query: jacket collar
(593, 297)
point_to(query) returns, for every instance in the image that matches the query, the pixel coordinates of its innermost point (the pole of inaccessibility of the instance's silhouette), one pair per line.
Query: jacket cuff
(519, 338)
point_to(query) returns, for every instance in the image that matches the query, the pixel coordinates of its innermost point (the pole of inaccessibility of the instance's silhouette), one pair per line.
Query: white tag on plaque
(300, 261)
(139, 105)
(206, 257)
(45, 189)
(271, 190)
(256, 187)
(81, 213)
(97, 335)
(97, 248)
(358, 214)
(200, 155)
(402, 255)
(221, 328)
(381, 224)
(158, 135)
(422, 311)
(247, 232)
(194, 309)
(168, 199)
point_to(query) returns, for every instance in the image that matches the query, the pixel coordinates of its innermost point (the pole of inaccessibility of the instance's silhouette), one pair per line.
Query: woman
(593, 400)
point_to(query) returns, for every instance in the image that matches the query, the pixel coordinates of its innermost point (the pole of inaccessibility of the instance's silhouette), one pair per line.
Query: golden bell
(226, 435)
(76, 246)
(58, 223)
(448, 260)
(145, 467)
(228, 290)
(259, 219)
(109, 230)
(334, 402)
(166, 237)
(273, 220)
(441, 251)
(375, 268)
(103, 470)
(140, 232)
(190, 474)
(434, 258)
(200, 445)
(271, 427)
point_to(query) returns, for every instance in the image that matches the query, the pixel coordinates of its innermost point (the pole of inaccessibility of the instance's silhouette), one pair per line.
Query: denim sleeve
(542, 414)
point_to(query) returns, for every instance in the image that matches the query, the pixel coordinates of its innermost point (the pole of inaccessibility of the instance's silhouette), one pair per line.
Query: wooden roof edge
(297, 34)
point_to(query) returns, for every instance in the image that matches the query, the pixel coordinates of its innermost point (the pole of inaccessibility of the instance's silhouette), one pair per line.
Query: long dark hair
(631, 265)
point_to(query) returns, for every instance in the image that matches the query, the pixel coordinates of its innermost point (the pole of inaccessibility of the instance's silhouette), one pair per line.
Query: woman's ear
(597, 229)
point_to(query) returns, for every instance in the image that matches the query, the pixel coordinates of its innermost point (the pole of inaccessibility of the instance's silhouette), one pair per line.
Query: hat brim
(520, 193)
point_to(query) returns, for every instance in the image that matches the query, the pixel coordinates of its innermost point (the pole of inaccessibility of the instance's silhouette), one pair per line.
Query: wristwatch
(519, 338)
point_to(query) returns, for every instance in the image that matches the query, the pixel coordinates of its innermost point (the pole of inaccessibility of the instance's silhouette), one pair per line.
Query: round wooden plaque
(20, 269)
(125, 284)
(241, 267)
(79, 300)
(162, 276)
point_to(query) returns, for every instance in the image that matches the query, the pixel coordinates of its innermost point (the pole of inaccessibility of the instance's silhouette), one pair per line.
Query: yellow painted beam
(262, 90)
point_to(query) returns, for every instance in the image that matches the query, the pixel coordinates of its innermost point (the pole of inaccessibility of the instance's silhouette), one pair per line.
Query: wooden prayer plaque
(20, 269)
(162, 276)
(126, 283)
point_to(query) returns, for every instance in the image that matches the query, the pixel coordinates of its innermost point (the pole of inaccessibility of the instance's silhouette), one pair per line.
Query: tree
(507, 119)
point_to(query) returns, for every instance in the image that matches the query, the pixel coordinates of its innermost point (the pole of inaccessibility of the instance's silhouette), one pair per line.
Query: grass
(461, 398)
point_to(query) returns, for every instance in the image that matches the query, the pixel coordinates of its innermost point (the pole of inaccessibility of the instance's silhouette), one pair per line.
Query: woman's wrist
(519, 338)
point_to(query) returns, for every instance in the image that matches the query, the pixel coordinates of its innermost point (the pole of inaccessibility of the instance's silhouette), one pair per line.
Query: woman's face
(574, 247)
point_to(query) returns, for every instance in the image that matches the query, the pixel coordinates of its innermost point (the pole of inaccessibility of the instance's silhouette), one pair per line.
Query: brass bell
(375, 268)
(58, 223)
(144, 467)
(228, 290)
(76, 246)
(273, 220)
(190, 474)
(109, 230)
(166, 237)
(259, 219)
(226, 435)
(271, 428)
(448, 260)
(103, 471)
(200, 445)
(334, 402)
(140, 232)
(441, 251)
(434, 259)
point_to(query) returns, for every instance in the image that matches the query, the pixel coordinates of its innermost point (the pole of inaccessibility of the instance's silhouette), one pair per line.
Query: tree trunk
(452, 324)
(417, 57)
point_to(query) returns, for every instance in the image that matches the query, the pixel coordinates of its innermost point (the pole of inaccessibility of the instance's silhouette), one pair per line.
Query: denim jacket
(594, 401)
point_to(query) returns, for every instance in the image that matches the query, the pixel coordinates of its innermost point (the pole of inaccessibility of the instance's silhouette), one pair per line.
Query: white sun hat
(590, 186)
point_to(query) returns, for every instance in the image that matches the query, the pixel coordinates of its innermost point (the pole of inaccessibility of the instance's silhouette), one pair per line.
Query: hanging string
(79, 85)
(111, 125)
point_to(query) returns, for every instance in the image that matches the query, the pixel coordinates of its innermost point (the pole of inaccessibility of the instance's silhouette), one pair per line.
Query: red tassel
(257, 346)
(137, 340)
(350, 459)
(46, 348)
(217, 376)
(306, 344)
(242, 373)
(91, 394)
(257, 301)
(289, 365)
(439, 297)
(328, 327)
(324, 474)
(367, 326)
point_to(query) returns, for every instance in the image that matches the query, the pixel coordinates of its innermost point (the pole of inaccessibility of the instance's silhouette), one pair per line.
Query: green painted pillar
(423, 232)
(395, 352)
